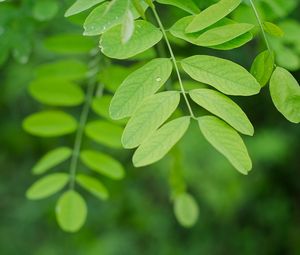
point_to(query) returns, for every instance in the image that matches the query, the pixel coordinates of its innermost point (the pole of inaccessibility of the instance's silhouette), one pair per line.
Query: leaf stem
(259, 20)
(91, 87)
(173, 60)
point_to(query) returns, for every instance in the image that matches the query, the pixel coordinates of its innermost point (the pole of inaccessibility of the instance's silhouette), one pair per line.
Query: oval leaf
(104, 133)
(285, 93)
(52, 159)
(71, 211)
(102, 164)
(223, 107)
(262, 67)
(160, 142)
(153, 112)
(212, 14)
(227, 141)
(226, 76)
(47, 186)
(50, 124)
(80, 6)
(186, 5)
(186, 210)
(144, 37)
(138, 85)
(92, 185)
(56, 92)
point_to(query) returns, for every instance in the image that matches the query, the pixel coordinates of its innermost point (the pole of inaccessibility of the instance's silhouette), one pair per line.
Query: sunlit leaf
(81, 5)
(186, 5)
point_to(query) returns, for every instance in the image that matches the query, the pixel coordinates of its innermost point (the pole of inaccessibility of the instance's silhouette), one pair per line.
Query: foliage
(155, 119)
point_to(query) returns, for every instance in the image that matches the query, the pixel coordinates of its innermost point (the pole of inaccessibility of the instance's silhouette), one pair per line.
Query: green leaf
(139, 8)
(223, 107)
(138, 85)
(227, 141)
(223, 34)
(178, 30)
(52, 159)
(44, 10)
(71, 211)
(152, 113)
(212, 14)
(160, 142)
(104, 133)
(285, 93)
(186, 210)
(50, 124)
(127, 27)
(186, 5)
(80, 6)
(273, 29)
(144, 37)
(262, 67)
(102, 164)
(69, 44)
(226, 76)
(56, 92)
(70, 69)
(47, 186)
(93, 186)
(105, 17)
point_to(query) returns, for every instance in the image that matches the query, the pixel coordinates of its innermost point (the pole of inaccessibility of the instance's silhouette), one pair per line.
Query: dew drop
(158, 79)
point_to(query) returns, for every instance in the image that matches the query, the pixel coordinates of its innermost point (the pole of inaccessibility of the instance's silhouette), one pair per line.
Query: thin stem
(259, 20)
(80, 131)
(91, 87)
(174, 61)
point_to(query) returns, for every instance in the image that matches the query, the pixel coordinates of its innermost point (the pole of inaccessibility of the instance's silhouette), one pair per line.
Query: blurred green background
(254, 214)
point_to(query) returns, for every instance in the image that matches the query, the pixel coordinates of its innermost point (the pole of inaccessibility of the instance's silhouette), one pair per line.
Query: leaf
(222, 106)
(69, 44)
(47, 186)
(138, 85)
(273, 29)
(56, 92)
(226, 76)
(50, 124)
(285, 93)
(227, 141)
(160, 142)
(102, 164)
(104, 133)
(81, 5)
(139, 8)
(153, 112)
(52, 159)
(71, 211)
(186, 5)
(262, 67)
(70, 70)
(144, 37)
(44, 10)
(127, 27)
(178, 30)
(186, 210)
(212, 14)
(93, 186)
(105, 16)
(223, 34)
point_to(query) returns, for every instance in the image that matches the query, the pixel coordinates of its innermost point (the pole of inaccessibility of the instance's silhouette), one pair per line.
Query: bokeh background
(243, 215)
